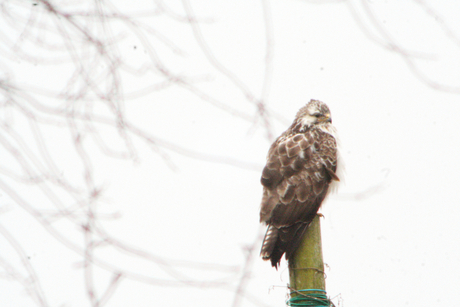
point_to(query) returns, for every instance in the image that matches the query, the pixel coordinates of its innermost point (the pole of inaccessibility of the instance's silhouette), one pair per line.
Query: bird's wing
(298, 171)
(296, 179)
(286, 157)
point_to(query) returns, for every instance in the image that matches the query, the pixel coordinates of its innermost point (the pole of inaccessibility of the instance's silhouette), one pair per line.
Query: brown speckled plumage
(301, 164)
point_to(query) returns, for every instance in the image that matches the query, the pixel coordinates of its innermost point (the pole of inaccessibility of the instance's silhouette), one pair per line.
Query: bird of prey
(300, 172)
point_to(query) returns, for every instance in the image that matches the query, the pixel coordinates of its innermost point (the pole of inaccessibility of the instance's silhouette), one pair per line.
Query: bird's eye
(317, 115)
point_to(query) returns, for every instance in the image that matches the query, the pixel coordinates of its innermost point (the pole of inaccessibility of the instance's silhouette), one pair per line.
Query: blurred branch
(388, 42)
(85, 47)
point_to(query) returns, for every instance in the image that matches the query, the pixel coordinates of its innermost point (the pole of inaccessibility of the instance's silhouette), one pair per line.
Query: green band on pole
(309, 298)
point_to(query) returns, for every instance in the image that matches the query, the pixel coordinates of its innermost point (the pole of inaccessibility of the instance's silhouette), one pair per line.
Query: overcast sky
(131, 148)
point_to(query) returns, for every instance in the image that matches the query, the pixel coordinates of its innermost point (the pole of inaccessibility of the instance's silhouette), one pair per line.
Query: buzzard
(300, 171)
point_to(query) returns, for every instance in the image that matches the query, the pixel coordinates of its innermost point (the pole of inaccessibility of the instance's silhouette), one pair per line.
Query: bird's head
(314, 113)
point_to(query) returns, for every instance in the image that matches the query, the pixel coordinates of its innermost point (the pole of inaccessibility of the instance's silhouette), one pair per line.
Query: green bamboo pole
(306, 267)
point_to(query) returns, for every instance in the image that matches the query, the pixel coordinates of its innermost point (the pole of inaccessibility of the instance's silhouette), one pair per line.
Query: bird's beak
(327, 118)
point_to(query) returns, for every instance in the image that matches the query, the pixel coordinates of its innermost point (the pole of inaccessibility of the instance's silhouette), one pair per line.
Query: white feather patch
(329, 129)
(308, 120)
(340, 171)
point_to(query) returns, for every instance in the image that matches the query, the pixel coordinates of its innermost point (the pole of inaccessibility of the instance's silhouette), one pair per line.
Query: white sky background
(391, 235)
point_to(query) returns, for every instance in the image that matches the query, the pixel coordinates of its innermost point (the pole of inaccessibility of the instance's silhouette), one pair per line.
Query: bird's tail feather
(295, 238)
(270, 239)
(278, 241)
